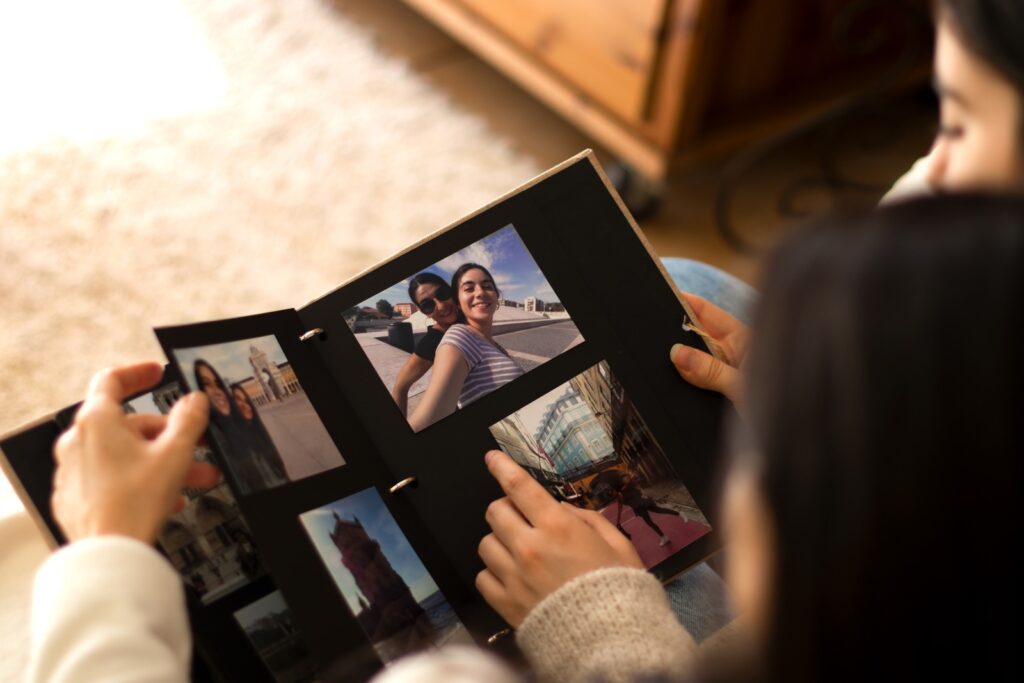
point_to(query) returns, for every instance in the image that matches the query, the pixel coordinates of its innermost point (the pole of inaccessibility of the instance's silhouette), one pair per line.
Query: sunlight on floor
(92, 69)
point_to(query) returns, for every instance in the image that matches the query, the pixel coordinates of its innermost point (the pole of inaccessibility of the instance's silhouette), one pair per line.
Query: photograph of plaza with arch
(502, 317)
(586, 443)
(207, 541)
(260, 417)
(382, 579)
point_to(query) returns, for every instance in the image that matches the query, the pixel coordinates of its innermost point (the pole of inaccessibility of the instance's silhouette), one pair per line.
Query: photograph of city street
(382, 579)
(508, 325)
(207, 541)
(268, 431)
(585, 442)
(269, 627)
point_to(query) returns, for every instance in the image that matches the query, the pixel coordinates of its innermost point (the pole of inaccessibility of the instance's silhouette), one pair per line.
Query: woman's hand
(538, 544)
(121, 474)
(704, 370)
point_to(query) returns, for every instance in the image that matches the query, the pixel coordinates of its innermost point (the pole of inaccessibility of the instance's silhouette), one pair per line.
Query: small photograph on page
(260, 416)
(454, 331)
(268, 625)
(585, 442)
(382, 579)
(207, 541)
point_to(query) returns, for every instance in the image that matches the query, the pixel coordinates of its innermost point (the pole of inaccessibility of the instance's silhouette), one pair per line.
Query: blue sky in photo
(229, 359)
(380, 526)
(503, 253)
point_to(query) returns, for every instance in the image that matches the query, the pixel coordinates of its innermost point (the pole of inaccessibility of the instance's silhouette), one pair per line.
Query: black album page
(354, 570)
(570, 376)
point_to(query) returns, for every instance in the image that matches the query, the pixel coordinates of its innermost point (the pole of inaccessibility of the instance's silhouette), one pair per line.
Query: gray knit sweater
(611, 625)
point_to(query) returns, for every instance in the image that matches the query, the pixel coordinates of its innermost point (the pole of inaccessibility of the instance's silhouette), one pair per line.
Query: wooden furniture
(659, 82)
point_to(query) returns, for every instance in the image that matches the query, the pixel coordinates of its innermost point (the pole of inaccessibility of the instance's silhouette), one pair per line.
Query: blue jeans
(699, 597)
(726, 291)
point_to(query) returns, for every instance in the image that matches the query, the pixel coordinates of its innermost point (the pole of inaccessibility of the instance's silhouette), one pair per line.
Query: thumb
(185, 425)
(706, 372)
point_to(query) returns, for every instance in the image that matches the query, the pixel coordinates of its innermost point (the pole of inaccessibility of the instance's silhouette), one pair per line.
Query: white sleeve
(108, 609)
(450, 664)
(914, 183)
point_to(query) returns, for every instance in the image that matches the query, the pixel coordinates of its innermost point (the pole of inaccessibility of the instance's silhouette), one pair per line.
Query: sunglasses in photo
(429, 305)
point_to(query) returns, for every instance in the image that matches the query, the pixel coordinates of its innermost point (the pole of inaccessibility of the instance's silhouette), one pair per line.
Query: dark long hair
(256, 434)
(886, 403)
(424, 278)
(215, 416)
(991, 29)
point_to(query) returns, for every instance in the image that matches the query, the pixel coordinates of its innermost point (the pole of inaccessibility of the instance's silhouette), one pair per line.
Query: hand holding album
(731, 338)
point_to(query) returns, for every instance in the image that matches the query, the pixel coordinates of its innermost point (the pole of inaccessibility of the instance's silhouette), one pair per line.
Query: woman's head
(210, 382)
(882, 465)
(979, 75)
(477, 292)
(243, 403)
(434, 297)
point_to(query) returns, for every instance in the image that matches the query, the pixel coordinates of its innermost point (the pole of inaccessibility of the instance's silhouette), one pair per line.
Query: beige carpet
(321, 158)
(324, 158)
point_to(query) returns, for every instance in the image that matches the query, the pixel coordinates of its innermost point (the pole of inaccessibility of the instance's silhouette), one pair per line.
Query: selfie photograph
(456, 330)
(260, 417)
(587, 444)
(382, 579)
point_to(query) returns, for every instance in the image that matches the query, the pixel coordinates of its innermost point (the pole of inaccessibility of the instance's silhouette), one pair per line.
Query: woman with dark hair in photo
(435, 298)
(263, 448)
(870, 512)
(233, 434)
(469, 364)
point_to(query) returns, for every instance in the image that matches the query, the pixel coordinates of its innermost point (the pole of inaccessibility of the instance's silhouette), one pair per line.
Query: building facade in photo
(533, 305)
(572, 436)
(602, 392)
(405, 309)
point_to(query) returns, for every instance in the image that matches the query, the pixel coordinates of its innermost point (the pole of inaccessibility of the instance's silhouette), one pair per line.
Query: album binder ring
(495, 637)
(688, 326)
(315, 332)
(402, 484)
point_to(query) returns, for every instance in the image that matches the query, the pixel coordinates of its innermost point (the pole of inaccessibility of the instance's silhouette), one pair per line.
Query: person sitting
(868, 511)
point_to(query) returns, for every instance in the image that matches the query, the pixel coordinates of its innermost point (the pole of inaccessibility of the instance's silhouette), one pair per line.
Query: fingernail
(488, 456)
(682, 357)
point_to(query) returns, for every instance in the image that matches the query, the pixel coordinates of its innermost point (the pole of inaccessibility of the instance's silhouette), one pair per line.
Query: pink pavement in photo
(680, 533)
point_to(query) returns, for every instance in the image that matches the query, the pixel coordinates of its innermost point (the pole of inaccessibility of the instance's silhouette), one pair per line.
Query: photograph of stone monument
(208, 541)
(260, 417)
(587, 444)
(382, 579)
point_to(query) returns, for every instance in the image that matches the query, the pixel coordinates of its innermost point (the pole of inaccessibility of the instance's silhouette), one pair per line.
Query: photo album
(352, 431)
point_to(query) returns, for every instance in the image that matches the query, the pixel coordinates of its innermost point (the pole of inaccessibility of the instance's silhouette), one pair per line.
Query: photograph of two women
(456, 330)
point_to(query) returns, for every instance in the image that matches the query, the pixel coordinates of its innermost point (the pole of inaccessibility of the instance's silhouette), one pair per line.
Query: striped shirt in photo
(489, 365)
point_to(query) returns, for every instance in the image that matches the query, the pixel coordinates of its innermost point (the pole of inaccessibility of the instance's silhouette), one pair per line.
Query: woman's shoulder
(468, 342)
(459, 334)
